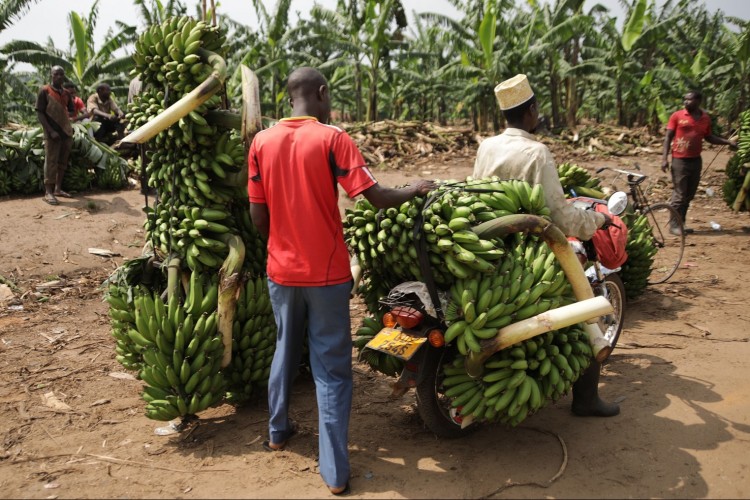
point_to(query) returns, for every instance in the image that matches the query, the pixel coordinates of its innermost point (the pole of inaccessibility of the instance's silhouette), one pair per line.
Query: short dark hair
(102, 86)
(515, 115)
(697, 94)
(70, 85)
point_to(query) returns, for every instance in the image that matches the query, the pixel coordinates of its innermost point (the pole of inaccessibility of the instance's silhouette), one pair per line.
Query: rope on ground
(563, 466)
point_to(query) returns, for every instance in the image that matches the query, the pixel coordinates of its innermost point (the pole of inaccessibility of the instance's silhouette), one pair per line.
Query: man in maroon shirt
(53, 107)
(685, 133)
(294, 169)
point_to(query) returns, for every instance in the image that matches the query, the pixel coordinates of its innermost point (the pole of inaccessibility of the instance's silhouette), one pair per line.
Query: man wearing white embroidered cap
(515, 154)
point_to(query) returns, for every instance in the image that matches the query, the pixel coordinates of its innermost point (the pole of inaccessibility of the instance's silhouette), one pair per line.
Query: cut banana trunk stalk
(356, 269)
(173, 277)
(251, 115)
(224, 118)
(229, 292)
(557, 241)
(742, 194)
(541, 323)
(188, 103)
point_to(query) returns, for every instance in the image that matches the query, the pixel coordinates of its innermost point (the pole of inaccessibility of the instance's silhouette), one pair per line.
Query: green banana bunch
(528, 281)
(736, 170)
(193, 166)
(523, 279)
(641, 250)
(78, 177)
(113, 176)
(181, 351)
(122, 314)
(145, 106)
(379, 361)
(170, 53)
(253, 341)
(578, 179)
(30, 183)
(384, 241)
(520, 380)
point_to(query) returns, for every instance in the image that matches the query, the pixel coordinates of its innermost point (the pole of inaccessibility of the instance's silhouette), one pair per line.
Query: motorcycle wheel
(613, 290)
(435, 408)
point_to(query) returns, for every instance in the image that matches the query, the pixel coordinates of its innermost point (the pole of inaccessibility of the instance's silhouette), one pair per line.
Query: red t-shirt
(688, 133)
(78, 106)
(294, 167)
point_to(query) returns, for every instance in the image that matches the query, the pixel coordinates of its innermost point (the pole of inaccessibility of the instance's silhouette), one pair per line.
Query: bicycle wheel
(669, 247)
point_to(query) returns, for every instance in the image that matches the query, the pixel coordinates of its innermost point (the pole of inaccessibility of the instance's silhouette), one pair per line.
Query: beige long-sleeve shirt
(515, 154)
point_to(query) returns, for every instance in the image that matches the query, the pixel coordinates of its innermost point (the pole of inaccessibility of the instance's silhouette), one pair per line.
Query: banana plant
(83, 63)
(12, 10)
(158, 11)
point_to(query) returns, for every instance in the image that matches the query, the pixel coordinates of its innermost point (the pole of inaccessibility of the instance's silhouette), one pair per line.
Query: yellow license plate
(396, 343)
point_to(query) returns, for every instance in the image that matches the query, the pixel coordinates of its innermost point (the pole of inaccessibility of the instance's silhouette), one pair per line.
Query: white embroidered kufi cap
(513, 92)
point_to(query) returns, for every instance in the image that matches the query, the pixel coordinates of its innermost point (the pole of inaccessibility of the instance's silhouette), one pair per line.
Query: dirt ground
(679, 373)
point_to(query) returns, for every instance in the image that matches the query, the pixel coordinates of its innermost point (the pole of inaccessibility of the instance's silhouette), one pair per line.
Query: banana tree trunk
(554, 94)
(358, 91)
(372, 100)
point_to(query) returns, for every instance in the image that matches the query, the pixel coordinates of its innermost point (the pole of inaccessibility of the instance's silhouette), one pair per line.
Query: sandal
(63, 194)
(50, 199)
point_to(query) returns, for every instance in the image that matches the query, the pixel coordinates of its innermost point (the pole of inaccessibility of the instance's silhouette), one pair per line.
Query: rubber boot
(586, 401)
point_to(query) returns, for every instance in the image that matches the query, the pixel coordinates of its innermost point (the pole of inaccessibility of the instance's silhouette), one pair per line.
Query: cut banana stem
(173, 277)
(599, 344)
(188, 103)
(356, 269)
(557, 241)
(742, 194)
(554, 319)
(229, 292)
(251, 115)
(224, 118)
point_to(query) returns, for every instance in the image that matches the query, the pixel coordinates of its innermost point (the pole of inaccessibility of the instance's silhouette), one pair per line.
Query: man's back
(291, 169)
(515, 154)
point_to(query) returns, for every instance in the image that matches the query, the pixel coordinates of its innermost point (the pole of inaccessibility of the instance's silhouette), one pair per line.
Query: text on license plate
(396, 343)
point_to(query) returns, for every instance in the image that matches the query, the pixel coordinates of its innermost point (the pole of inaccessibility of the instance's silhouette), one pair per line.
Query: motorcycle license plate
(396, 343)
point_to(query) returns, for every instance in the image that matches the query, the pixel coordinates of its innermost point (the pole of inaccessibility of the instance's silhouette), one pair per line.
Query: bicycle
(670, 246)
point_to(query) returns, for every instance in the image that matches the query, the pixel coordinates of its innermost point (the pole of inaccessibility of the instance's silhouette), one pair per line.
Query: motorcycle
(414, 328)
(605, 282)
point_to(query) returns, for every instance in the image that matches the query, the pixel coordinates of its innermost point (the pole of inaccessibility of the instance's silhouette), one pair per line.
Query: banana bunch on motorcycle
(485, 284)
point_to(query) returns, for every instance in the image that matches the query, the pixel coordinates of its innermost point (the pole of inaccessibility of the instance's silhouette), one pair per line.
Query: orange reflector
(436, 338)
(389, 320)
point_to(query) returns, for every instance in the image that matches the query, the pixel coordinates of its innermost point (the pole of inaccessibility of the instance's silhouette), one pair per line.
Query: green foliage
(92, 164)
(581, 63)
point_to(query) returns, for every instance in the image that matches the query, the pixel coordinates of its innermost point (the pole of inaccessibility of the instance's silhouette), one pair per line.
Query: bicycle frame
(635, 192)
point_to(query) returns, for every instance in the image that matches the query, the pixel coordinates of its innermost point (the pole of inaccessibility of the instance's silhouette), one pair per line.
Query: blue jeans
(326, 309)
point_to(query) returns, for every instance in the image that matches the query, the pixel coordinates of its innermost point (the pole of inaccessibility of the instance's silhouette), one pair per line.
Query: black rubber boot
(586, 401)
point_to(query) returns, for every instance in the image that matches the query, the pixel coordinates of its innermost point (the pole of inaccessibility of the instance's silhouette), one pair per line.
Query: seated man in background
(103, 109)
(79, 108)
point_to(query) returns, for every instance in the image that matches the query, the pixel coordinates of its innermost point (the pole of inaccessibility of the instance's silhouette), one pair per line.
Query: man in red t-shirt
(294, 169)
(79, 108)
(685, 133)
